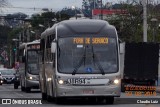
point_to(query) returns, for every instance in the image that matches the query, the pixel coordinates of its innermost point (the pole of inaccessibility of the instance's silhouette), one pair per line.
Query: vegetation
(130, 25)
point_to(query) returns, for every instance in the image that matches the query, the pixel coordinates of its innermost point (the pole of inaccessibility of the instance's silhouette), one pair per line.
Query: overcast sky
(23, 5)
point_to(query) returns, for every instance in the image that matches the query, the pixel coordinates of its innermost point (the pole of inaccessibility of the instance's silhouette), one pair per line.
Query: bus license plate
(77, 81)
(88, 91)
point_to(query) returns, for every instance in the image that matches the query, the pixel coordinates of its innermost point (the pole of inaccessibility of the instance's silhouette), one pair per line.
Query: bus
(28, 65)
(80, 58)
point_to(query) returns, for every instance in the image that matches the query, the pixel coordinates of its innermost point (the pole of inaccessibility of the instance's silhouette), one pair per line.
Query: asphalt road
(7, 91)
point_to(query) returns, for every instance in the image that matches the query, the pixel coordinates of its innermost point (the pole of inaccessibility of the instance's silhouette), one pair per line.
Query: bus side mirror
(53, 47)
(23, 59)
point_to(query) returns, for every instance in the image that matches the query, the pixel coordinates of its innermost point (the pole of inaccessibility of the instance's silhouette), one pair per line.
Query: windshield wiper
(96, 61)
(80, 62)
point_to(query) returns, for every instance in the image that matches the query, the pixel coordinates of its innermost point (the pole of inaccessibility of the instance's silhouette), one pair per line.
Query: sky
(27, 6)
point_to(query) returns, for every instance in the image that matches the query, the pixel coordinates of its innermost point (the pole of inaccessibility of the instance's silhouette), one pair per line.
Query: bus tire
(58, 100)
(44, 96)
(22, 88)
(28, 89)
(100, 100)
(15, 86)
(49, 98)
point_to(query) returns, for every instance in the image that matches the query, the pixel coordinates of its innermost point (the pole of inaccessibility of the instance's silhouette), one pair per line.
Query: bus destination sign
(33, 46)
(95, 40)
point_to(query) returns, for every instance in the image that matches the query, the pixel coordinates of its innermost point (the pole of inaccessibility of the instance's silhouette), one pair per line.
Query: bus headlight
(116, 81)
(61, 82)
(1, 81)
(30, 78)
(49, 79)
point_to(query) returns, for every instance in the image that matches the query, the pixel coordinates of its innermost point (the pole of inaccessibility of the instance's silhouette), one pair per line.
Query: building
(106, 13)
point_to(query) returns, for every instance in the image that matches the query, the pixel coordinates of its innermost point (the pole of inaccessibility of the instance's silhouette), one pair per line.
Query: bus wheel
(44, 96)
(28, 89)
(49, 98)
(109, 100)
(100, 100)
(92, 99)
(22, 88)
(59, 100)
(15, 86)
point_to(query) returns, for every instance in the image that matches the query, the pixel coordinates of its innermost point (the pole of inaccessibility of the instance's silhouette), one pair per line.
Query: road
(7, 91)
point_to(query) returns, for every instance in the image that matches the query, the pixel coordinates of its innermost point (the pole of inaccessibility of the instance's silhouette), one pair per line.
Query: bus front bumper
(80, 91)
(32, 84)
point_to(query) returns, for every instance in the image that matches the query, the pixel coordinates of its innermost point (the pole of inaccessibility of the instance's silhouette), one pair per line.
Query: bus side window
(21, 54)
(42, 47)
(53, 54)
(23, 59)
(53, 59)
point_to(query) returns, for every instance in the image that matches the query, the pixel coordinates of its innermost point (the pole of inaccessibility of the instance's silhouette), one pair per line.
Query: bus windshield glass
(33, 61)
(87, 55)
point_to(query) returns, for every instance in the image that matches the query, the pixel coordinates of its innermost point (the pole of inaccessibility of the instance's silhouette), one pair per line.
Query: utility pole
(101, 11)
(144, 3)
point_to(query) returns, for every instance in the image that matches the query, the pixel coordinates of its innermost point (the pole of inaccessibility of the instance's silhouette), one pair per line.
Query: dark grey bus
(80, 58)
(29, 66)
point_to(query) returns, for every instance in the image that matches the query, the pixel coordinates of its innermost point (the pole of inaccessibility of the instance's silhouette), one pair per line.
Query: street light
(15, 40)
(42, 28)
(154, 24)
(54, 20)
(33, 32)
(40, 25)
(74, 8)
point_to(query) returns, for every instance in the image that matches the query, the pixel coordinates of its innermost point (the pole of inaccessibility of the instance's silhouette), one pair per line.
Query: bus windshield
(87, 55)
(33, 61)
(7, 72)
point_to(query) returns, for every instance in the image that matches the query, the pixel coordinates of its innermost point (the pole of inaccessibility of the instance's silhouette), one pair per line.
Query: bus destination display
(95, 40)
(34, 46)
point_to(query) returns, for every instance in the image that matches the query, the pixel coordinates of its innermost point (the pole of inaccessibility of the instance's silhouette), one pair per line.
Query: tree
(129, 24)
(45, 18)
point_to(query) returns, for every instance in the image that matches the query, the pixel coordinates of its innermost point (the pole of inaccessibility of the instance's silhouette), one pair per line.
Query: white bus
(80, 58)
(28, 65)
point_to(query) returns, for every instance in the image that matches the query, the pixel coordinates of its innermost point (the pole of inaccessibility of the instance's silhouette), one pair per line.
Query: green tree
(45, 18)
(129, 23)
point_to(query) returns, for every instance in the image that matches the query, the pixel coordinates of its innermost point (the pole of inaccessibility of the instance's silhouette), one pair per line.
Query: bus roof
(28, 43)
(83, 26)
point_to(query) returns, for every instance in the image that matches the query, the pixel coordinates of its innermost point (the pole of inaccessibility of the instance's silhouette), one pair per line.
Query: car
(8, 75)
